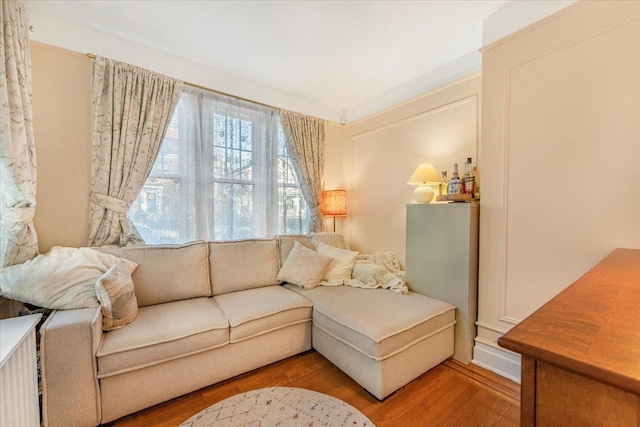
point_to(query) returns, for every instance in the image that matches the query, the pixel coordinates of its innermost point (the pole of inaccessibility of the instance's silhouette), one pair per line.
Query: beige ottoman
(380, 339)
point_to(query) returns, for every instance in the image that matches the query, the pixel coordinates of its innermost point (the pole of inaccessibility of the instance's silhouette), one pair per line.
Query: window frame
(268, 213)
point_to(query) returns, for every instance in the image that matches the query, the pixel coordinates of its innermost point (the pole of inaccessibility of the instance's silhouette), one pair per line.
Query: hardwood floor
(451, 394)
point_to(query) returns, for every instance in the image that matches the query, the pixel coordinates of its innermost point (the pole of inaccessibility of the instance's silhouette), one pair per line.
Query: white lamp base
(423, 194)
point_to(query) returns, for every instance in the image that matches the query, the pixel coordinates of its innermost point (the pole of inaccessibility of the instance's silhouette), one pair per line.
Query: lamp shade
(334, 203)
(425, 174)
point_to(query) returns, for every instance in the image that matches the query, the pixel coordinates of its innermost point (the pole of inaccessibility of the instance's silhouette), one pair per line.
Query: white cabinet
(19, 372)
(442, 262)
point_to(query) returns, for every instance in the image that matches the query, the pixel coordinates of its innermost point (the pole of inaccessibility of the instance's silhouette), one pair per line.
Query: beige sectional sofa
(209, 311)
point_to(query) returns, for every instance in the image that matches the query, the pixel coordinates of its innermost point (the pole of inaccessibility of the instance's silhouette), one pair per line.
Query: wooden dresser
(581, 350)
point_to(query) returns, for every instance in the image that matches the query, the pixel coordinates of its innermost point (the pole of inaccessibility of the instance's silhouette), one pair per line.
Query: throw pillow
(304, 267)
(339, 271)
(63, 278)
(116, 294)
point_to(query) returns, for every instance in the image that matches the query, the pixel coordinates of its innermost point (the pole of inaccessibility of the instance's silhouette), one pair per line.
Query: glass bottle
(455, 185)
(444, 184)
(476, 190)
(469, 178)
(465, 176)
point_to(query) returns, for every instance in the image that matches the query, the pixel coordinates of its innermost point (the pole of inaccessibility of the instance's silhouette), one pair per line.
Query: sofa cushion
(258, 311)
(163, 332)
(286, 242)
(304, 267)
(168, 273)
(243, 264)
(346, 313)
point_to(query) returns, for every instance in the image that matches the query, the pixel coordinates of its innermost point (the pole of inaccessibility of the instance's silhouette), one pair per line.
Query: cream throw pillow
(63, 278)
(116, 294)
(339, 271)
(304, 267)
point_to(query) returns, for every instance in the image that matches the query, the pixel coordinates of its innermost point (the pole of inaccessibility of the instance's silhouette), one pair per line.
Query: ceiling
(338, 53)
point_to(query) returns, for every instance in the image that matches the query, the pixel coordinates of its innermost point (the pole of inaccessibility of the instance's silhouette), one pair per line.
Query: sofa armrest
(68, 345)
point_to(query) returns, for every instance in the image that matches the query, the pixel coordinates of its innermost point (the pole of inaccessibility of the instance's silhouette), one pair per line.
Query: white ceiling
(338, 53)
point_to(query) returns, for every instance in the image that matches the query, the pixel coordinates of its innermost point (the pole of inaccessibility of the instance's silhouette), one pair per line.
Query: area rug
(279, 406)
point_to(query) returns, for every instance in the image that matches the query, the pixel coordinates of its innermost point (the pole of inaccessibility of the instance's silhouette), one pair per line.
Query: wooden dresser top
(592, 327)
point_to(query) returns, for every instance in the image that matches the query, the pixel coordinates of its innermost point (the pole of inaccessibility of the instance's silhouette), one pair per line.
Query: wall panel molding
(427, 113)
(559, 96)
(564, 47)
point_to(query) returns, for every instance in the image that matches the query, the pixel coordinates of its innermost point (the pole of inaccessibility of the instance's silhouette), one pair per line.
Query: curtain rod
(92, 56)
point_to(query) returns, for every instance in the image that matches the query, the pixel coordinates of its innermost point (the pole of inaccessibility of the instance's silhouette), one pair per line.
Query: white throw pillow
(304, 267)
(63, 278)
(339, 271)
(116, 294)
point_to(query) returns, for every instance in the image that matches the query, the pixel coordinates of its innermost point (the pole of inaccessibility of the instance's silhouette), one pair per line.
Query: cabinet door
(442, 262)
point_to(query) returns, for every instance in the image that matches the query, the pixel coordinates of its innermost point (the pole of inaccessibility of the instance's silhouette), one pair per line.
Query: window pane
(246, 138)
(293, 212)
(158, 215)
(233, 211)
(222, 173)
(232, 147)
(167, 162)
(286, 175)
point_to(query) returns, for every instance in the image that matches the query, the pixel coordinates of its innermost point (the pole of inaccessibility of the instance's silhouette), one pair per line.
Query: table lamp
(424, 177)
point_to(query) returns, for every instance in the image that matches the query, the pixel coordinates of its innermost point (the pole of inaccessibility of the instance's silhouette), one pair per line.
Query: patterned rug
(279, 406)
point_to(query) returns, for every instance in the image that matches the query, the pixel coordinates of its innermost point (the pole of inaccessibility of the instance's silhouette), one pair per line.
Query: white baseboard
(501, 362)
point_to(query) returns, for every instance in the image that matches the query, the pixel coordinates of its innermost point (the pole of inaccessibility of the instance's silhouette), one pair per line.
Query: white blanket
(64, 278)
(379, 270)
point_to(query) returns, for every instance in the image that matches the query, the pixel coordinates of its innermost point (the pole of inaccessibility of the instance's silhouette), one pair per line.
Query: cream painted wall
(560, 158)
(382, 151)
(333, 169)
(62, 128)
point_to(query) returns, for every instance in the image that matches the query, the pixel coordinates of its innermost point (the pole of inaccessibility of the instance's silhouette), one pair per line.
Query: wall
(382, 151)
(78, 38)
(62, 127)
(560, 160)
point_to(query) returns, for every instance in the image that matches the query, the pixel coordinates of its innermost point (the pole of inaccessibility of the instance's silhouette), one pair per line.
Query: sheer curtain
(131, 111)
(223, 173)
(18, 240)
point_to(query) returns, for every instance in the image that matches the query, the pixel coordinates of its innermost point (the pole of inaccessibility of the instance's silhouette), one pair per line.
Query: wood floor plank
(450, 394)
(481, 410)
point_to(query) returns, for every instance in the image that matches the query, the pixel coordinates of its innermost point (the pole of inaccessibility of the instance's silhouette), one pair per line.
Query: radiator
(19, 372)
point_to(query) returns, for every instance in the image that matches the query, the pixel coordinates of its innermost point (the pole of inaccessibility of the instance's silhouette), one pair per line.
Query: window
(222, 173)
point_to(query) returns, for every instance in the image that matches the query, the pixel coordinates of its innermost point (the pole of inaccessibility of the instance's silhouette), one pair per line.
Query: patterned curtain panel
(304, 136)
(132, 108)
(18, 240)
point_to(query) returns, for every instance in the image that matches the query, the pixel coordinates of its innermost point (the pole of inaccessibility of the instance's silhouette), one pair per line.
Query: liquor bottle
(469, 178)
(466, 175)
(444, 184)
(455, 185)
(476, 190)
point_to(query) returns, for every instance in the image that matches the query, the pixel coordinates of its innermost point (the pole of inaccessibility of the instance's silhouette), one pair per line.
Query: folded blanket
(379, 270)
